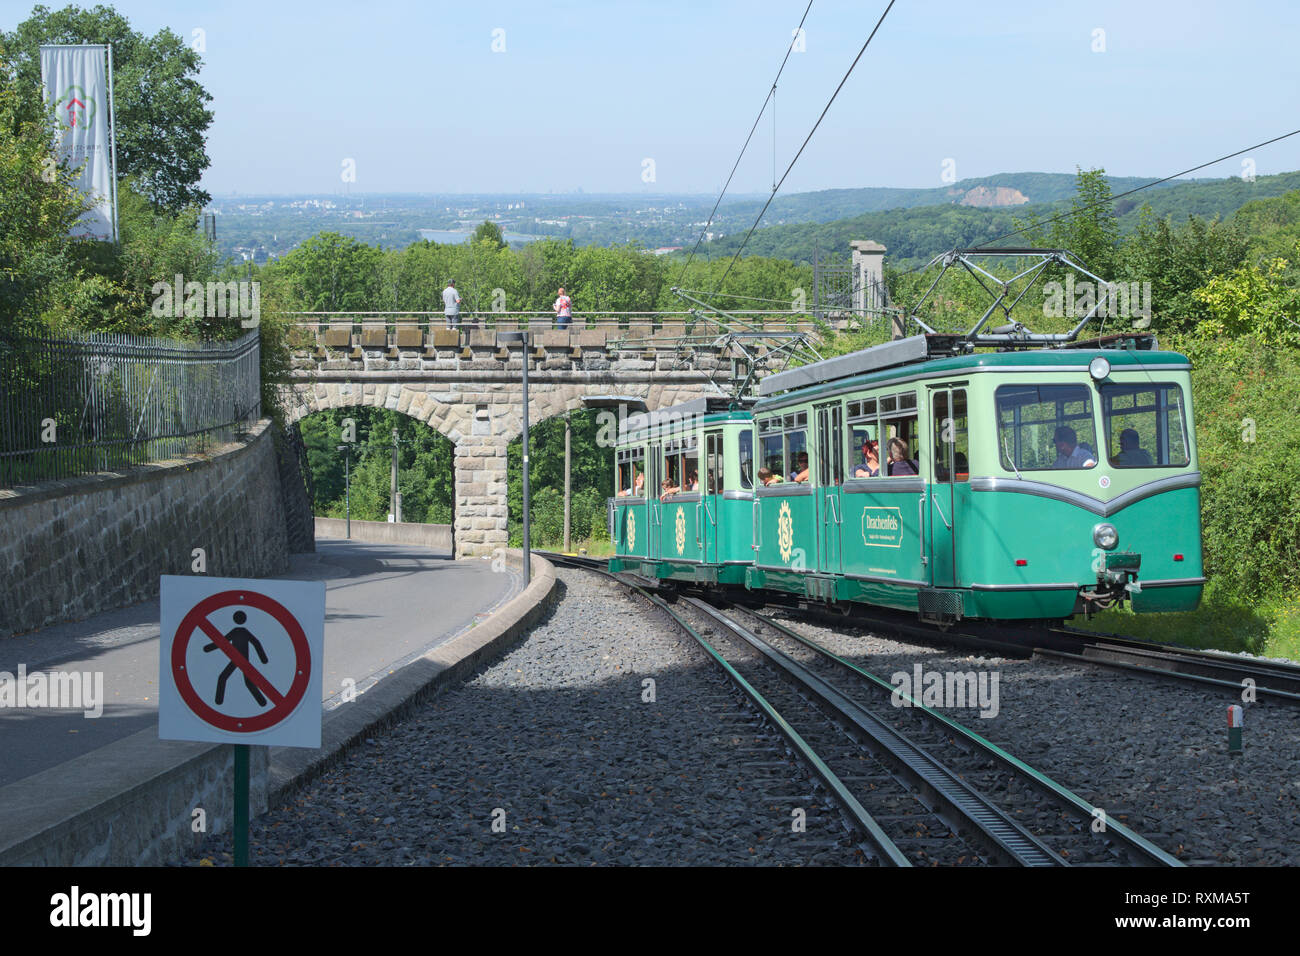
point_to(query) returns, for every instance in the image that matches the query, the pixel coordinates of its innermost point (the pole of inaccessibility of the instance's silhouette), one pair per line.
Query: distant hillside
(1004, 189)
(924, 230)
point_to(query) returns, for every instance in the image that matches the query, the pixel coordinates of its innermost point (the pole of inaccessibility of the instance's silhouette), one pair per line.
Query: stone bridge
(468, 385)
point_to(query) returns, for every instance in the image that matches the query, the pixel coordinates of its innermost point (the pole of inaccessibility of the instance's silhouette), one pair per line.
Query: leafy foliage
(162, 114)
(424, 474)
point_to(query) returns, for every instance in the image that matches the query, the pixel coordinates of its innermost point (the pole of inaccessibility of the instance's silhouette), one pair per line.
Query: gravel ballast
(1152, 755)
(552, 755)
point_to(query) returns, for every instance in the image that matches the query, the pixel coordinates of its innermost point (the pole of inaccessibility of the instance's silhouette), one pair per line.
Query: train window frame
(891, 415)
(860, 420)
(1017, 427)
(785, 427)
(1108, 391)
(745, 457)
(629, 458)
(944, 416)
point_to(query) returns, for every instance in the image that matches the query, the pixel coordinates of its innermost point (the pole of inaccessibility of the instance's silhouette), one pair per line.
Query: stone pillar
(868, 277)
(480, 495)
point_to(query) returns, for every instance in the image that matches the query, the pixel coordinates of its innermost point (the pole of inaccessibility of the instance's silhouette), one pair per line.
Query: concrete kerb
(136, 797)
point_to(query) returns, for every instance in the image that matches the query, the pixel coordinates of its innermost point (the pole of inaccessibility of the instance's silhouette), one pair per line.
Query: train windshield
(1145, 425)
(1046, 427)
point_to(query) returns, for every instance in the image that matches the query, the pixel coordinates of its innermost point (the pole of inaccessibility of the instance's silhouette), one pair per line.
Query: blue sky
(584, 92)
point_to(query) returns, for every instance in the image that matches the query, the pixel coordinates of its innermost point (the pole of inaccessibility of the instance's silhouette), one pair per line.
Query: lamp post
(347, 484)
(567, 488)
(522, 338)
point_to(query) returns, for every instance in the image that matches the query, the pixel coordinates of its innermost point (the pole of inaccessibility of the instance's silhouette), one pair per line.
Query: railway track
(1270, 680)
(901, 776)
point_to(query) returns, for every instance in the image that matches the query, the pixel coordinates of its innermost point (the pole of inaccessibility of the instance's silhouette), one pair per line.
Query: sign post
(216, 631)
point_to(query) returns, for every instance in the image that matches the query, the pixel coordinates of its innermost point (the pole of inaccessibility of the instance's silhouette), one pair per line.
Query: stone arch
(481, 418)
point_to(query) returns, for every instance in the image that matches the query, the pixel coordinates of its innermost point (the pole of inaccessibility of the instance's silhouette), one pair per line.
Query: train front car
(1087, 483)
(684, 491)
(1035, 484)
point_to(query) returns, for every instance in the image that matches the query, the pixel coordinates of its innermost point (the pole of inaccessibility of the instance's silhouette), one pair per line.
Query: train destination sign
(882, 527)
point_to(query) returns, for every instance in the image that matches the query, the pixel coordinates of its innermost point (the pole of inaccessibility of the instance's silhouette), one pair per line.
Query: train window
(1145, 426)
(1043, 427)
(773, 448)
(900, 446)
(691, 469)
(746, 441)
(672, 469)
(796, 451)
(951, 437)
(859, 434)
(631, 469)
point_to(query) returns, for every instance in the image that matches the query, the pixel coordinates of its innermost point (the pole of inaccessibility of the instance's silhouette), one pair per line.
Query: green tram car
(684, 493)
(1033, 484)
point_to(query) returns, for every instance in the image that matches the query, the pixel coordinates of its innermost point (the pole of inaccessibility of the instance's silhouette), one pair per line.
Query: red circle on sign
(302, 665)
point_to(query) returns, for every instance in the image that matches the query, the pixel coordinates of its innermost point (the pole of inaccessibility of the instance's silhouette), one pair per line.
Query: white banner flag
(75, 82)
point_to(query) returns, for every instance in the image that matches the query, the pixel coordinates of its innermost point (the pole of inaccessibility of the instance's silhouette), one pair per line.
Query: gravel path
(1152, 755)
(551, 756)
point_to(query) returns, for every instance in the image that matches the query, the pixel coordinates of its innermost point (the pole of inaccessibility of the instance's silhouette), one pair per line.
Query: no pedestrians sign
(240, 660)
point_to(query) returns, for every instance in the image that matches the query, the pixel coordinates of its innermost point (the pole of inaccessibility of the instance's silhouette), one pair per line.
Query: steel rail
(1016, 843)
(1039, 780)
(887, 850)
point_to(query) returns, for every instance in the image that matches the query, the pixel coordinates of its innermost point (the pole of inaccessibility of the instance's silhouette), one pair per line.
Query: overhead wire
(771, 93)
(804, 145)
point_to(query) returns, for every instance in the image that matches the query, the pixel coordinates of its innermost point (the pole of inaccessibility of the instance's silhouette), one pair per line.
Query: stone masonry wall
(467, 385)
(71, 548)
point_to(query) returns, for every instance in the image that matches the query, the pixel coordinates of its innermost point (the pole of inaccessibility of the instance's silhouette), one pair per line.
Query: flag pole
(112, 135)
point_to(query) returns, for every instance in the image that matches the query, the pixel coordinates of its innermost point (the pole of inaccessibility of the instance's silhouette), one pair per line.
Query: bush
(1248, 438)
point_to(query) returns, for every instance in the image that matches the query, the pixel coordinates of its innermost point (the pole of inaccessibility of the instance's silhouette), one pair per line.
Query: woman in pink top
(563, 310)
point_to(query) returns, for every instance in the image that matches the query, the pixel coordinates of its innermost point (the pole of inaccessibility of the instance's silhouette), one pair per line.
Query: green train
(923, 476)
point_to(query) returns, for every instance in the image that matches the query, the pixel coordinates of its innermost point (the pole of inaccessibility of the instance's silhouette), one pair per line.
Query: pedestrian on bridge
(563, 310)
(451, 305)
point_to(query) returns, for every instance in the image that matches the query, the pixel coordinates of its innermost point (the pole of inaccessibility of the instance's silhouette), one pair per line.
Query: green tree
(162, 116)
(1177, 261)
(330, 273)
(489, 231)
(1251, 301)
(39, 202)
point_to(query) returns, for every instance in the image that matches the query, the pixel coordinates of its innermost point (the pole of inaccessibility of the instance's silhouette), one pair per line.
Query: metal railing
(101, 402)
(774, 319)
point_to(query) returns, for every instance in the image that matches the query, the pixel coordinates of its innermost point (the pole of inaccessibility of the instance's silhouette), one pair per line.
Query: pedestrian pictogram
(241, 660)
(241, 640)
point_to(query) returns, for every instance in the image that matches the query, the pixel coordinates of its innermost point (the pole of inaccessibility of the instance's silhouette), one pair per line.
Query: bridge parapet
(479, 349)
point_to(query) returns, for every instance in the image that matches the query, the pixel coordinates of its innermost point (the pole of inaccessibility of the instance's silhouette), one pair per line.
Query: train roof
(708, 408)
(905, 359)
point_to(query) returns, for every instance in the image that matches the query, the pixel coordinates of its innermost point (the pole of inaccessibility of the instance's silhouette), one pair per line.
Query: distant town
(259, 228)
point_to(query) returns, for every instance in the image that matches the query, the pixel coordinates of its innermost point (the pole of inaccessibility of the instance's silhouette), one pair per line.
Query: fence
(776, 320)
(103, 402)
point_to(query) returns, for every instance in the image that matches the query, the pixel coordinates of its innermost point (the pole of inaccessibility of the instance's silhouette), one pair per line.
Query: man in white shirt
(1069, 452)
(451, 305)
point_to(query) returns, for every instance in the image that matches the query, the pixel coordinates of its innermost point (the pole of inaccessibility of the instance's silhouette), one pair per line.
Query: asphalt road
(384, 605)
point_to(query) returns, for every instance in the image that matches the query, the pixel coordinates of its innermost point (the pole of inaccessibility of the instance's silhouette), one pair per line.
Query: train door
(654, 487)
(712, 498)
(949, 480)
(830, 478)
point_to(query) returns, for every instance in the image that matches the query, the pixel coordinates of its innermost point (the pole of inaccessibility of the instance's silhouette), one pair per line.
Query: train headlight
(1099, 368)
(1105, 536)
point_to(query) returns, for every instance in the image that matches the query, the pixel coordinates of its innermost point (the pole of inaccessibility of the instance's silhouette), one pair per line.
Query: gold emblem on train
(681, 530)
(785, 531)
(631, 529)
